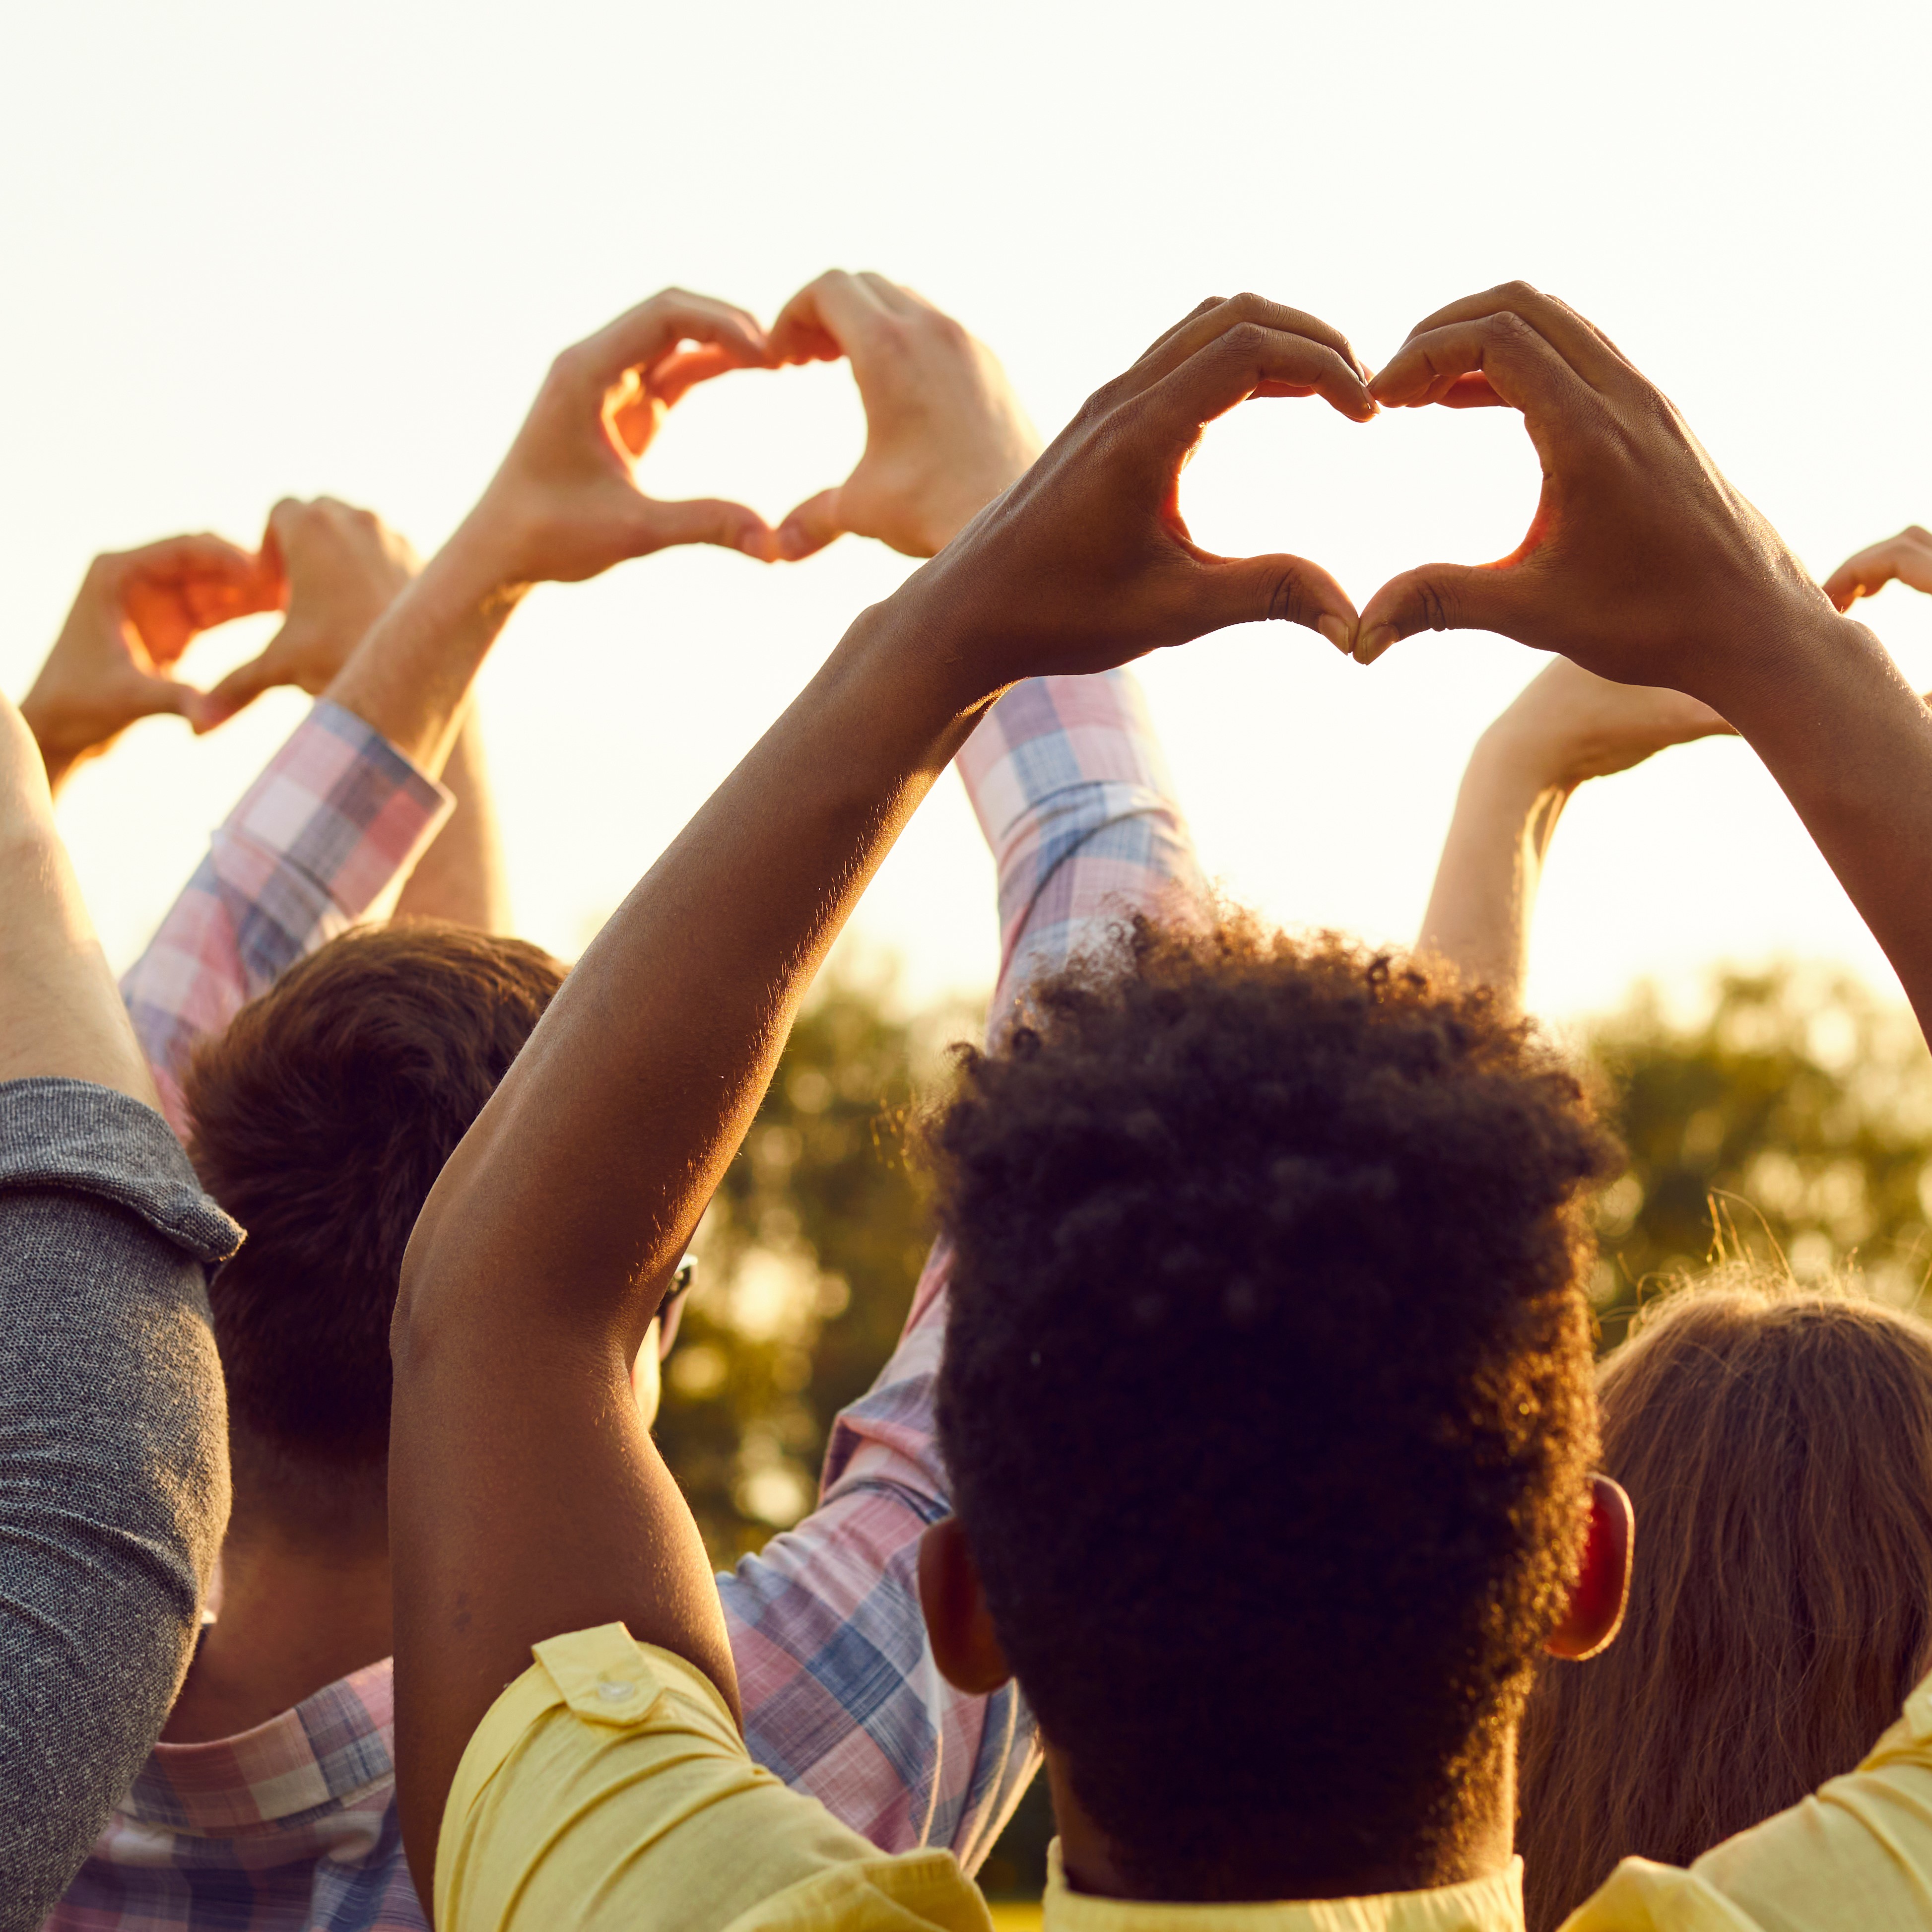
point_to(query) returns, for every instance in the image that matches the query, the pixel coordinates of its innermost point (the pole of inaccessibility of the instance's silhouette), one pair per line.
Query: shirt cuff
(72, 1135)
(343, 804)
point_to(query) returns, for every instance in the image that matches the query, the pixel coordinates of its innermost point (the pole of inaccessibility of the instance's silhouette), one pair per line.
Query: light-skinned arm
(525, 1497)
(1566, 727)
(1715, 604)
(60, 1012)
(112, 1428)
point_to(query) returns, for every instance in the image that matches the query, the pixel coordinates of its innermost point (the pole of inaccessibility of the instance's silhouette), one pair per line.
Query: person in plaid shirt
(292, 1823)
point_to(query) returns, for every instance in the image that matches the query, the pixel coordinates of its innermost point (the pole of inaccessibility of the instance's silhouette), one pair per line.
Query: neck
(297, 1612)
(1482, 1846)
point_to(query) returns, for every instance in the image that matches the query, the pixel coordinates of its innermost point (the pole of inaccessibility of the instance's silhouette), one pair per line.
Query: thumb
(811, 527)
(1433, 597)
(706, 520)
(238, 690)
(1290, 589)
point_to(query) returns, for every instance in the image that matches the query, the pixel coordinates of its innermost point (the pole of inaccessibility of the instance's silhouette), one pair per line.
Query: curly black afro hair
(1267, 1393)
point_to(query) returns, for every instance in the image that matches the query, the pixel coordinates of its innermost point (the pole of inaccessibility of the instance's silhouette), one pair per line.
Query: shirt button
(618, 1692)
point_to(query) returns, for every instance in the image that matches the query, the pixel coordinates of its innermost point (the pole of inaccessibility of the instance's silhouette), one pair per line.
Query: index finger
(648, 332)
(1246, 360)
(825, 317)
(1212, 320)
(1579, 341)
(1519, 366)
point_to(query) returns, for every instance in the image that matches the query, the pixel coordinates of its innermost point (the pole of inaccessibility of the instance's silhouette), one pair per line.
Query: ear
(964, 1646)
(1602, 1589)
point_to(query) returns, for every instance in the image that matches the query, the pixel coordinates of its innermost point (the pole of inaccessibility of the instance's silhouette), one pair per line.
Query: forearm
(461, 876)
(1850, 743)
(411, 675)
(542, 1252)
(1479, 908)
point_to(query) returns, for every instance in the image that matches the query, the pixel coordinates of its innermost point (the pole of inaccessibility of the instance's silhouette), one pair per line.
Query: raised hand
(1086, 563)
(342, 567)
(944, 432)
(564, 504)
(1907, 557)
(1567, 725)
(137, 611)
(1642, 562)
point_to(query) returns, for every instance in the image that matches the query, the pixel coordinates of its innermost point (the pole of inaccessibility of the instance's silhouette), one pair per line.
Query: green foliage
(1797, 1109)
(807, 1258)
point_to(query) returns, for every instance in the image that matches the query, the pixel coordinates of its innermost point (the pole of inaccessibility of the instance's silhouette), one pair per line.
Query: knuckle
(1288, 598)
(1245, 338)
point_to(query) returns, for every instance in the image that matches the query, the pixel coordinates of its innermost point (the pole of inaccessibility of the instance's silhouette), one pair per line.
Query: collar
(332, 1747)
(1492, 1904)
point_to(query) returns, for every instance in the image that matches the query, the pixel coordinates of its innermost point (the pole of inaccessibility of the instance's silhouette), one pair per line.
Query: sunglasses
(670, 1310)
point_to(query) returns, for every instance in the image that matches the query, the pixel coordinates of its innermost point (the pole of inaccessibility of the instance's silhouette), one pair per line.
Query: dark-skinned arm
(527, 1499)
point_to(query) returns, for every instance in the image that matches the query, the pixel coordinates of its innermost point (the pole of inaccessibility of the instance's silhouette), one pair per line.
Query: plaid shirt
(293, 1824)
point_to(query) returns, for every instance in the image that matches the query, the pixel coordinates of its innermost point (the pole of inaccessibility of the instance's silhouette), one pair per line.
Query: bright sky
(257, 250)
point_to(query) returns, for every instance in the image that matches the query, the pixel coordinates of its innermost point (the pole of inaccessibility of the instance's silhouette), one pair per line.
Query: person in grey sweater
(113, 1428)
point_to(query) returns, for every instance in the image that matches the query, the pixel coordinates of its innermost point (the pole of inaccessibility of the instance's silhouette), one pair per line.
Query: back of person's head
(1267, 1395)
(321, 1118)
(1778, 1446)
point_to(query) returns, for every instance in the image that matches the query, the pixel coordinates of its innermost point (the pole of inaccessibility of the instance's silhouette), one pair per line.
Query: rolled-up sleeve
(113, 1461)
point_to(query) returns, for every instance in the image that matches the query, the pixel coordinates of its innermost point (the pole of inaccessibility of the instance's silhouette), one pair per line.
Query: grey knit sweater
(113, 1461)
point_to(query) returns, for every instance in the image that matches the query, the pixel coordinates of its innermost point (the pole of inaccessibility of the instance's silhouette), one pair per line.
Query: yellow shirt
(608, 1787)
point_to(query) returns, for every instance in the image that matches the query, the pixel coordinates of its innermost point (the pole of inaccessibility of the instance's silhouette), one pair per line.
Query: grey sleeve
(113, 1461)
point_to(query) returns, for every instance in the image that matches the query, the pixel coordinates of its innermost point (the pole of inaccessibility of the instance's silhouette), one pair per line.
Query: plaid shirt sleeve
(338, 812)
(841, 1695)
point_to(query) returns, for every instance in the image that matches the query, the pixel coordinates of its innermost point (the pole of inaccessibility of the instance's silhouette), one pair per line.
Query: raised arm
(1565, 726)
(335, 815)
(113, 1429)
(351, 800)
(541, 1254)
(1643, 564)
(1066, 776)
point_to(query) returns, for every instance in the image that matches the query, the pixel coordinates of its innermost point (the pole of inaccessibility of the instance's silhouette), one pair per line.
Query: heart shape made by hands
(1365, 499)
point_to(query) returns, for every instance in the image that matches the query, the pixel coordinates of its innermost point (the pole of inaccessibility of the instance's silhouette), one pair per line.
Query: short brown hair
(321, 1118)
(1267, 1394)
(1776, 1444)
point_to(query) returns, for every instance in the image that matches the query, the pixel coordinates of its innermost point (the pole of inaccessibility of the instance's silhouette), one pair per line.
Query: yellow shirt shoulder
(608, 1786)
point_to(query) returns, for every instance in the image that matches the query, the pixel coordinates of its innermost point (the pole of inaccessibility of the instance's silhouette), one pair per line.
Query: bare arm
(1566, 727)
(60, 1011)
(1718, 608)
(541, 1254)
(462, 875)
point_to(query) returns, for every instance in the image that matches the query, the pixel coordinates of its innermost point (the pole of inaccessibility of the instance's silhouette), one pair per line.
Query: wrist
(1756, 679)
(1513, 760)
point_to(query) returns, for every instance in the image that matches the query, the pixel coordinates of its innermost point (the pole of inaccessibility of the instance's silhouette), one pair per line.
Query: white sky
(252, 250)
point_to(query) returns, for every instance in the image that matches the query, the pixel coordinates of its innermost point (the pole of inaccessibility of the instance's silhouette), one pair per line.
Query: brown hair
(322, 1117)
(1777, 1447)
(1267, 1395)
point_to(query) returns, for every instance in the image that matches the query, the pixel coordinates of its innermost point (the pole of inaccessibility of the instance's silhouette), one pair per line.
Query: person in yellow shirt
(1257, 1246)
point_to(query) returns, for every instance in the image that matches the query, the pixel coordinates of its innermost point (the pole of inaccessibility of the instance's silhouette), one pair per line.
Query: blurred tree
(1798, 1108)
(808, 1257)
